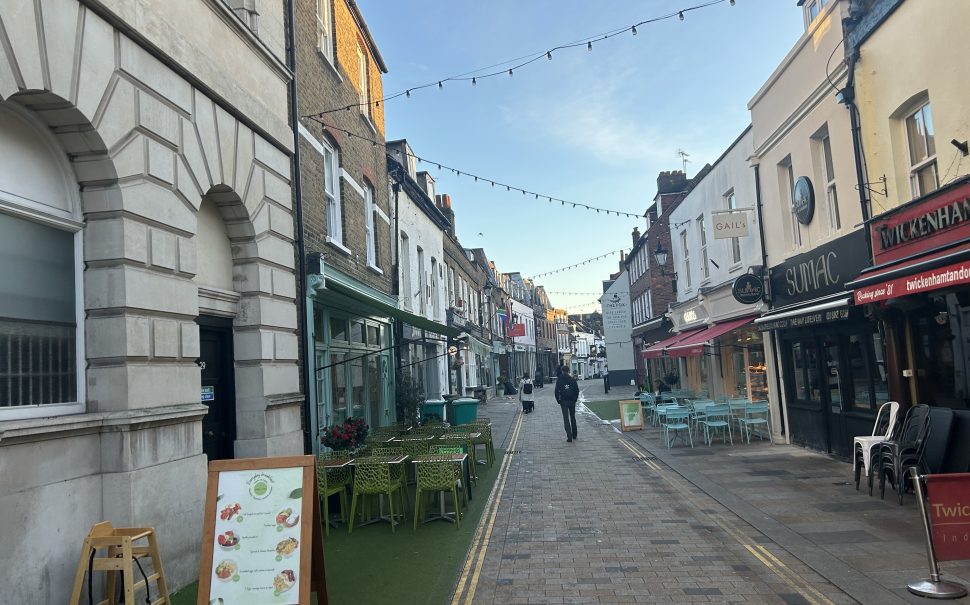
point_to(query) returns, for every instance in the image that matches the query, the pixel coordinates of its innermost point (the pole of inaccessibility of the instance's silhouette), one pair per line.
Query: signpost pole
(934, 587)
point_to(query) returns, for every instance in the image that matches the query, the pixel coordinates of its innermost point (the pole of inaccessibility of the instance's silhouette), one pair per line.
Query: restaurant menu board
(631, 415)
(261, 532)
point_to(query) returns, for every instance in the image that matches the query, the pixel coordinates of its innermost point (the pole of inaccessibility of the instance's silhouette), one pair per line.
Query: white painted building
(617, 325)
(524, 347)
(422, 277)
(582, 347)
(145, 201)
(725, 354)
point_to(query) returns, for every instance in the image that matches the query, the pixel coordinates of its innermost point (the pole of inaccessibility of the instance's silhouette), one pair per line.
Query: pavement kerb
(847, 579)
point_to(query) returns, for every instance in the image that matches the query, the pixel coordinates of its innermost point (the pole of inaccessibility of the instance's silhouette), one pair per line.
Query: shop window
(805, 367)
(357, 387)
(942, 330)
(38, 310)
(921, 140)
(374, 335)
(338, 328)
(338, 388)
(357, 334)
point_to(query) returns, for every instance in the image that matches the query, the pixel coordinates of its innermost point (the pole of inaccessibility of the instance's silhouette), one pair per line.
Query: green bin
(433, 407)
(466, 410)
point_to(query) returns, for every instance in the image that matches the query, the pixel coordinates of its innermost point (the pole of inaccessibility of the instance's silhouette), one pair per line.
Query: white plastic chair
(882, 430)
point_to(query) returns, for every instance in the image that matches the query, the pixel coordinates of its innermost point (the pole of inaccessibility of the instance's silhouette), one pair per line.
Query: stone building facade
(149, 177)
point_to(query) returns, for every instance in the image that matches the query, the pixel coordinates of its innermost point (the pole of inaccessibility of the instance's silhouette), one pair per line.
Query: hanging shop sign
(925, 281)
(730, 223)
(823, 271)
(804, 200)
(688, 316)
(517, 330)
(748, 289)
(923, 225)
(261, 538)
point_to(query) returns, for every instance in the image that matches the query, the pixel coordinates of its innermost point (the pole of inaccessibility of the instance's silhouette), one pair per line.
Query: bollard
(934, 587)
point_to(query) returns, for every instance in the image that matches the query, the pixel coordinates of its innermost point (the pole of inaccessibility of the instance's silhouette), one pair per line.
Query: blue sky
(594, 127)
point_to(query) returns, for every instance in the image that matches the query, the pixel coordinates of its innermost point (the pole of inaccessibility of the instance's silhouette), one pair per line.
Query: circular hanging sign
(804, 201)
(748, 289)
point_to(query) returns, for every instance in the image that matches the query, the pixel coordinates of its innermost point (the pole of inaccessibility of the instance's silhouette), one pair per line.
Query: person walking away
(567, 392)
(559, 370)
(606, 381)
(540, 378)
(526, 396)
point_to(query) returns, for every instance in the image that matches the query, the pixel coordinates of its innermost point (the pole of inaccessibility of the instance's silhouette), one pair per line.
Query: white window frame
(371, 227)
(831, 193)
(796, 228)
(731, 202)
(928, 160)
(362, 71)
(702, 235)
(324, 30)
(45, 410)
(405, 259)
(685, 248)
(335, 216)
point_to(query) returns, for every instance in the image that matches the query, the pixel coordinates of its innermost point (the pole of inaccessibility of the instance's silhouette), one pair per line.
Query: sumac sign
(823, 271)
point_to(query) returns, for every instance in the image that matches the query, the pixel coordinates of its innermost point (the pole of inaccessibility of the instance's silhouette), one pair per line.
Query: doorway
(218, 388)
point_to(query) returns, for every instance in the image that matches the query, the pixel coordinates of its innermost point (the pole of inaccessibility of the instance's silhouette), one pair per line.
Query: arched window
(41, 343)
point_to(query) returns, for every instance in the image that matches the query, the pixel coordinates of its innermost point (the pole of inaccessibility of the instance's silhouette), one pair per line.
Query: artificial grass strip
(606, 410)
(372, 565)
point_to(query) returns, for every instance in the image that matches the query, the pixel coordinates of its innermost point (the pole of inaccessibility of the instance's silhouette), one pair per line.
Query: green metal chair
(717, 416)
(436, 476)
(397, 470)
(459, 474)
(677, 421)
(332, 481)
(485, 438)
(461, 436)
(756, 414)
(373, 477)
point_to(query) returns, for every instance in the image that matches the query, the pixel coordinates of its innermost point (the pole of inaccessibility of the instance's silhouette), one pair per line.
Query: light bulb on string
(633, 30)
(589, 45)
(732, 2)
(549, 55)
(510, 72)
(408, 93)
(680, 14)
(440, 85)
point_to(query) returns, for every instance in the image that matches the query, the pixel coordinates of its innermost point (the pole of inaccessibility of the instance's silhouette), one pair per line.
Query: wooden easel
(122, 553)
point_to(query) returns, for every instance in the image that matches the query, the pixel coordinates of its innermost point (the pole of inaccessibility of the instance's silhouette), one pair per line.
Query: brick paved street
(609, 519)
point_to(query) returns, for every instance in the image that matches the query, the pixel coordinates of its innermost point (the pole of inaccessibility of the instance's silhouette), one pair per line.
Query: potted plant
(671, 379)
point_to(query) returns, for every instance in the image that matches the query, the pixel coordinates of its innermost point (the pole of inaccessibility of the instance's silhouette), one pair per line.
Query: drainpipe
(300, 242)
(847, 96)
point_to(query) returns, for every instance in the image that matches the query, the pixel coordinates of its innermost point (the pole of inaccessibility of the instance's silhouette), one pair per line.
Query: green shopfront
(352, 349)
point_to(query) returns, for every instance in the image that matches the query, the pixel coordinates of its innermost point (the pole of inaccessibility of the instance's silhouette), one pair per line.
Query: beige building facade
(147, 214)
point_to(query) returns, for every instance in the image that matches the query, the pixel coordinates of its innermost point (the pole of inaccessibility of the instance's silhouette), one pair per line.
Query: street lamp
(660, 255)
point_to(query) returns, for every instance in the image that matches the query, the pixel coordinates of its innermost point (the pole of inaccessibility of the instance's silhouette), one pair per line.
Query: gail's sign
(730, 223)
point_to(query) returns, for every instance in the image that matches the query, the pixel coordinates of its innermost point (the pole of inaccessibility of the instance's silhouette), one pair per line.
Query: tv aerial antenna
(683, 158)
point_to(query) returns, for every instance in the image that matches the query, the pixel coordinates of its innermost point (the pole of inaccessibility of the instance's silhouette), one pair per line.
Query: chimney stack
(636, 235)
(444, 204)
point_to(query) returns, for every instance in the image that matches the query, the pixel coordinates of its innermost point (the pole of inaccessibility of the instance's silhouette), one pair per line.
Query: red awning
(695, 344)
(657, 350)
(914, 283)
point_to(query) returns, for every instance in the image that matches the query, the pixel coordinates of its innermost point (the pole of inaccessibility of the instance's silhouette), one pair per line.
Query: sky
(595, 127)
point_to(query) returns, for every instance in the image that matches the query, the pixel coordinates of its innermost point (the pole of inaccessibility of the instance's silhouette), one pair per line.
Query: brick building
(347, 226)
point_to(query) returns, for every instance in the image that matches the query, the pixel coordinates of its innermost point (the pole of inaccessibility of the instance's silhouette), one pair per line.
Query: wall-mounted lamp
(660, 255)
(962, 146)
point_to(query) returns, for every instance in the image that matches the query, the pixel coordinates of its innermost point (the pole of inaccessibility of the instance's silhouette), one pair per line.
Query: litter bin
(433, 408)
(465, 410)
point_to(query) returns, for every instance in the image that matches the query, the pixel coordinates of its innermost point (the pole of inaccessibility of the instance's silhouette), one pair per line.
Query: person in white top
(526, 395)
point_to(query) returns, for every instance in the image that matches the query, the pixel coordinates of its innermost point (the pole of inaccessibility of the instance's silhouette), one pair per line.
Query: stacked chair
(894, 456)
(863, 446)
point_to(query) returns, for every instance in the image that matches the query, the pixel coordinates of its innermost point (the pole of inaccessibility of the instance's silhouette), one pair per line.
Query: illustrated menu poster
(256, 555)
(631, 414)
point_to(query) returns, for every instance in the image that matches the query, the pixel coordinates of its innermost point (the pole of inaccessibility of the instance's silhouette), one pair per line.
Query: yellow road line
(472, 568)
(773, 563)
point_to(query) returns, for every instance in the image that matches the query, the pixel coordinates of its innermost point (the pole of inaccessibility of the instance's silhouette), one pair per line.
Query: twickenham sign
(923, 225)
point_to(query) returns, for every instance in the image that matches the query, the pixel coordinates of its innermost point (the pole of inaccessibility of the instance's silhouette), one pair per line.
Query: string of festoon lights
(573, 293)
(583, 305)
(481, 179)
(579, 264)
(474, 76)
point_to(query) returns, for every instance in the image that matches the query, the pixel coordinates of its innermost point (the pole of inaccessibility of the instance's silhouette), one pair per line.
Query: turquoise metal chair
(649, 404)
(677, 421)
(755, 414)
(737, 405)
(661, 411)
(698, 408)
(717, 416)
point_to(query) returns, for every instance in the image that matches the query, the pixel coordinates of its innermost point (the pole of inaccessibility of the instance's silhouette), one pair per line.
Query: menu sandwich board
(261, 536)
(631, 415)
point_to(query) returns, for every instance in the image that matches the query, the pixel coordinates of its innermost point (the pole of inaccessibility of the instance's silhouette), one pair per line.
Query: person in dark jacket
(661, 386)
(559, 370)
(540, 377)
(567, 392)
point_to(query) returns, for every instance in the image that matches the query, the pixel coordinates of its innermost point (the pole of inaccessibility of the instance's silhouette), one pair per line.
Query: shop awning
(931, 272)
(418, 321)
(657, 350)
(694, 345)
(819, 311)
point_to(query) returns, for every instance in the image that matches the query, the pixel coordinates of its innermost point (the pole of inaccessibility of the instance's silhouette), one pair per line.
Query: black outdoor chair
(895, 456)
